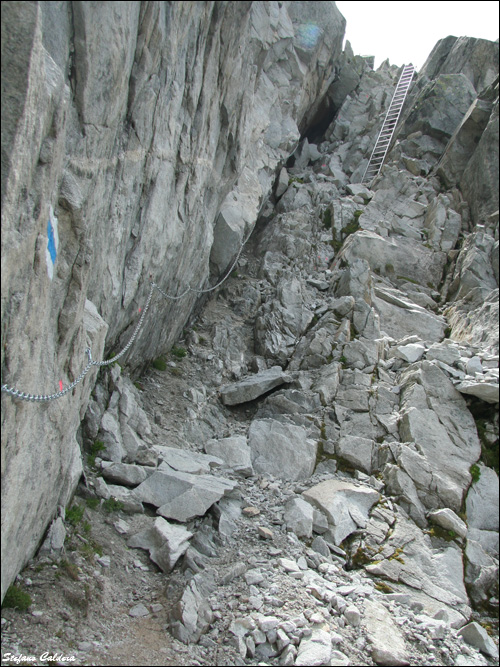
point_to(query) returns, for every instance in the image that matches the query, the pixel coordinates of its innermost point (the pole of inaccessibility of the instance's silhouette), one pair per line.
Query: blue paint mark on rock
(52, 244)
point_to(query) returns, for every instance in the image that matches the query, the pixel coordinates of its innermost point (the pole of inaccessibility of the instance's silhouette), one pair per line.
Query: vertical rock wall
(139, 138)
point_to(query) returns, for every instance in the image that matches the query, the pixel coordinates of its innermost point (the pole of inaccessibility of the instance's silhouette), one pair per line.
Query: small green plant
(335, 242)
(112, 505)
(361, 557)
(475, 472)
(343, 359)
(70, 569)
(139, 386)
(323, 431)
(178, 352)
(352, 226)
(408, 280)
(89, 549)
(98, 446)
(159, 364)
(383, 587)
(75, 514)
(92, 503)
(447, 332)
(397, 555)
(16, 598)
(389, 268)
(327, 218)
(489, 450)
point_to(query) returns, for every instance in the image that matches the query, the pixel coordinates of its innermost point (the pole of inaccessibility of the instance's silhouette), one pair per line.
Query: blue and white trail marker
(53, 243)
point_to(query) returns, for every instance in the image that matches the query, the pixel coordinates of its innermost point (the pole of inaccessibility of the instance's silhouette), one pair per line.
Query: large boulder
(165, 542)
(182, 496)
(397, 256)
(282, 450)
(345, 504)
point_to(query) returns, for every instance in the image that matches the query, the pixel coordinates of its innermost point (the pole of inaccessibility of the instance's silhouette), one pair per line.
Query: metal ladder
(384, 138)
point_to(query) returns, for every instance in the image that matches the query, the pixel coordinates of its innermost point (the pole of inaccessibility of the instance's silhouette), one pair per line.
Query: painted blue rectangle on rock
(51, 246)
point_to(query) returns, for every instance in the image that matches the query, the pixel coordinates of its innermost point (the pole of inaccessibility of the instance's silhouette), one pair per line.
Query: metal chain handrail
(15, 393)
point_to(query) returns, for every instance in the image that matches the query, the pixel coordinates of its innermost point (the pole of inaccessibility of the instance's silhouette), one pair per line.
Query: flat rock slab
(252, 387)
(345, 504)
(411, 352)
(315, 650)
(486, 391)
(165, 542)
(281, 450)
(182, 496)
(388, 643)
(186, 461)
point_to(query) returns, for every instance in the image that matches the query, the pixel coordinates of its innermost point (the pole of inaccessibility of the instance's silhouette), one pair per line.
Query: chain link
(15, 393)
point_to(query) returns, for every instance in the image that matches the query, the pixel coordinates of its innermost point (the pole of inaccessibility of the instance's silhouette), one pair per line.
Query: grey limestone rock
(165, 542)
(475, 635)
(299, 517)
(486, 391)
(357, 451)
(192, 615)
(282, 450)
(482, 501)
(234, 452)
(315, 650)
(448, 520)
(54, 542)
(388, 644)
(252, 387)
(125, 473)
(194, 463)
(182, 496)
(345, 504)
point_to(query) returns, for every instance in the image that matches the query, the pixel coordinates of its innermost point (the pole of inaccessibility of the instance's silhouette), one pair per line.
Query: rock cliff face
(354, 358)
